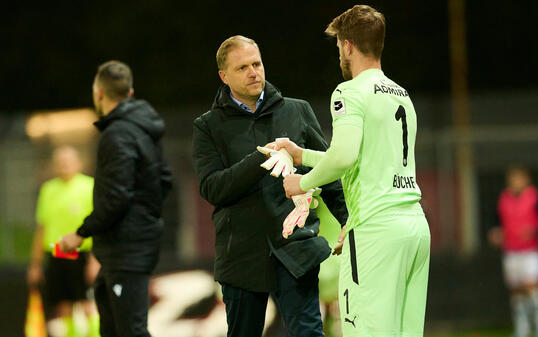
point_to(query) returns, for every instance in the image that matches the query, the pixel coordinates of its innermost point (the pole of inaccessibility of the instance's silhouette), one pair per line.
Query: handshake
(282, 155)
(280, 162)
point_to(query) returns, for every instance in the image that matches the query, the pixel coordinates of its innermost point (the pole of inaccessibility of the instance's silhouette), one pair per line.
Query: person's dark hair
(363, 26)
(115, 78)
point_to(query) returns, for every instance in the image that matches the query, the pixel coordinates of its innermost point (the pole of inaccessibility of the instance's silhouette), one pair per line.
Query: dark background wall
(50, 51)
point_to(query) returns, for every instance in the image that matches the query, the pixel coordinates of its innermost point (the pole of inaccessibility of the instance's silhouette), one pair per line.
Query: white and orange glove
(303, 204)
(280, 161)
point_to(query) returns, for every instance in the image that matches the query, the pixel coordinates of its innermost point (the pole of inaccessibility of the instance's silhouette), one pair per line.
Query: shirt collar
(244, 106)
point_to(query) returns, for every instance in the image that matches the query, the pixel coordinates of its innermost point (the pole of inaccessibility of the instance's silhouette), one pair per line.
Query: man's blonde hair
(363, 26)
(230, 44)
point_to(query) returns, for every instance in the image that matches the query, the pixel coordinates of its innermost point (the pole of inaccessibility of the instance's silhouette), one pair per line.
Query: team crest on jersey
(339, 107)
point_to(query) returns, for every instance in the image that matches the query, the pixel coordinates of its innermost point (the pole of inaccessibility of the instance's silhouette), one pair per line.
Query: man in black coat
(131, 181)
(252, 258)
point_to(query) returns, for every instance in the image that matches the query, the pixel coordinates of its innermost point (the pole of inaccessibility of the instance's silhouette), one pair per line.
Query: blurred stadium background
(469, 66)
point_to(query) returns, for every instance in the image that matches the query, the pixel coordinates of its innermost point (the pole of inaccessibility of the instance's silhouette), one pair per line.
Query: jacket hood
(223, 99)
(138, 112)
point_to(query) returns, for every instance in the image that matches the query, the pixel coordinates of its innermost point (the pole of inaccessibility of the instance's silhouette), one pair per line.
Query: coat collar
(224, 101)
(117, 113)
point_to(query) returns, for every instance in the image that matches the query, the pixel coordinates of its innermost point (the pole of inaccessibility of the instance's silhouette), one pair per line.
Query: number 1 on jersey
(400, 115)
(346, 294)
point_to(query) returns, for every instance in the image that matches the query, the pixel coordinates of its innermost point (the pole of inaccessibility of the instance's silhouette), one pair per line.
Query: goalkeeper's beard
(345, 65)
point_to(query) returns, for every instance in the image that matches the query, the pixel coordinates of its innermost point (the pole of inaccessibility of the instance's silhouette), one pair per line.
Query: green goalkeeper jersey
(382, 181)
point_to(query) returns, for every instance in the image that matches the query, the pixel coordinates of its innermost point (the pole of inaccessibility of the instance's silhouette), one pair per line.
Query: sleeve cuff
(81, 231)
(305, 183)
(260, 157)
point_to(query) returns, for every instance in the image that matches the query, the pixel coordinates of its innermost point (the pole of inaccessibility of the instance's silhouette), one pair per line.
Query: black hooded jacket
(250, 205)
(131, 181)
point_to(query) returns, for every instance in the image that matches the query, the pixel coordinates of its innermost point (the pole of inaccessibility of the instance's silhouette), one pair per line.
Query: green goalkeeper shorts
(384, 277)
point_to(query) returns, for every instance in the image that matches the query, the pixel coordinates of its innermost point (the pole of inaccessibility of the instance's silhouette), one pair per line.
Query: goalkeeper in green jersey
(385, 246)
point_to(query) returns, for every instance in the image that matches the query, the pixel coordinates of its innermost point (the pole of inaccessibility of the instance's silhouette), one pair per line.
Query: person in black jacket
(252, 259)
(131, 181)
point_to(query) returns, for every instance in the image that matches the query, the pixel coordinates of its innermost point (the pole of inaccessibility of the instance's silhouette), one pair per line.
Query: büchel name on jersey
(403, 182)
(394, 90)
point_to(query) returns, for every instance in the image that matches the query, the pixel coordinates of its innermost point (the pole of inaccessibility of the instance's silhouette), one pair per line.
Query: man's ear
(222, 75)
(131, 92)
(348, 48)
(100, 93)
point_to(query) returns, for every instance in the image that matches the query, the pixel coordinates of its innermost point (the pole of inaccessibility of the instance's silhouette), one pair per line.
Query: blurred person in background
(518, 237)
(62, 205)
(131, 182)
(252, 259)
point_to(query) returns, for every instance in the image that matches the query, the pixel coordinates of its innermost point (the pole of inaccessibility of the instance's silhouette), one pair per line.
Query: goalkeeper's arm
(331, 165)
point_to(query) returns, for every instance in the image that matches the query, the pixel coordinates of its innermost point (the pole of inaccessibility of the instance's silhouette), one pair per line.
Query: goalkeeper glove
(297, 217)
(280, 161)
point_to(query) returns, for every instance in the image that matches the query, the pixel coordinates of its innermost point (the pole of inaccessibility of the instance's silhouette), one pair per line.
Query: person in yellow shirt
(62, 205)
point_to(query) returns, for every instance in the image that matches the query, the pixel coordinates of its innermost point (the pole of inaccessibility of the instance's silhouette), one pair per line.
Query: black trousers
(297, 301)
(64, 279)
(122, 301)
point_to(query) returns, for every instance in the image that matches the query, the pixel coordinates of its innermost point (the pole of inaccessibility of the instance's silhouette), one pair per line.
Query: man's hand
(495, 236)
(292, 185)
(338, 248)
(271, 146)
(295, 151)
(70, 242)
(279, 161)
